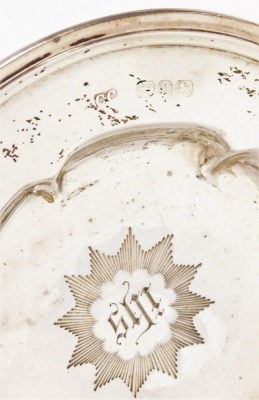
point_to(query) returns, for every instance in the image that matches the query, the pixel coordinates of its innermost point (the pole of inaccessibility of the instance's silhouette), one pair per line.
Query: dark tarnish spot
(84, 40)
(250, 92)
(56, 39)
(143, 81)
(28, 65)
(11, 153)
(61, 153)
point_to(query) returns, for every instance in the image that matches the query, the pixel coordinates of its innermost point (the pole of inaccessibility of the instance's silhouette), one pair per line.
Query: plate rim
(108, 27)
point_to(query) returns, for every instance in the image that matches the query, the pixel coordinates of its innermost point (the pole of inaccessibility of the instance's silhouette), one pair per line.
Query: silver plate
(119, 138)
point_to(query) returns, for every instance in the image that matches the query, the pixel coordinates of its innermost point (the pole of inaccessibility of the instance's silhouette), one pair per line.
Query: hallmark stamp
(184, 87)
(103, 97)
(165, 88)
(145, 88)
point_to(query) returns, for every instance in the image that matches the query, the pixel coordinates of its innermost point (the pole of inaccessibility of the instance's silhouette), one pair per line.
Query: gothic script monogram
(126, 303)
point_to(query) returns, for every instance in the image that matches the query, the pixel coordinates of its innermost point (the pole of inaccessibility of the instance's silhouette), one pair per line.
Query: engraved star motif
(87, 289)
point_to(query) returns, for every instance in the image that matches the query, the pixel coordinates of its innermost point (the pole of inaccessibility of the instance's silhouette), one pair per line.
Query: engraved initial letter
(116, 327)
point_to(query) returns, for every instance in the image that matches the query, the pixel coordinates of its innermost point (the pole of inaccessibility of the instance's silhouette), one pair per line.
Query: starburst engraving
(133, 311)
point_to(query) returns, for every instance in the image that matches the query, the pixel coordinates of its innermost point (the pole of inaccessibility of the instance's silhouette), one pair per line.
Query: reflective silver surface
(120, 138)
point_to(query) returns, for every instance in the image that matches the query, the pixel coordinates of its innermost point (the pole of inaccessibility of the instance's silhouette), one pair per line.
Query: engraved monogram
(133, 313)
(126, 303)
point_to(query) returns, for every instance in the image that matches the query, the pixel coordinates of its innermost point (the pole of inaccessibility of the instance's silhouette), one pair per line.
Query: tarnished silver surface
(119, 138)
